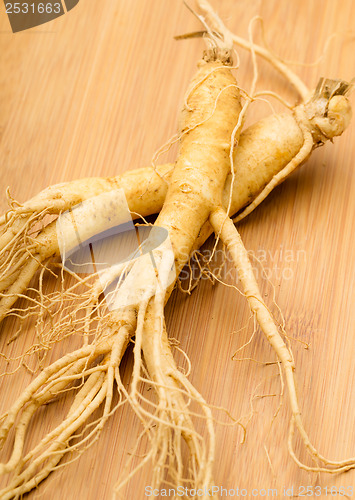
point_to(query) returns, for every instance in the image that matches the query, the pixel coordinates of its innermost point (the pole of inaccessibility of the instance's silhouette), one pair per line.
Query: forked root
(168, 421)
(28, 236)
(172, 417)
(92, 373)
(225, 229)
(94, 367)
(27, 242)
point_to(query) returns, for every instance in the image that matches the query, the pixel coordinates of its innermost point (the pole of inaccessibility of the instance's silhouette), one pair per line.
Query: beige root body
(195, 189)
(197, 182)
(195, 196)
(264, 149)
(191, 197)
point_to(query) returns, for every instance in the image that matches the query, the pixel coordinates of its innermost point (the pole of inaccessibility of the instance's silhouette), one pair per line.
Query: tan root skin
(191, 198)
(195, 189)
(267, 153)
(203, 163)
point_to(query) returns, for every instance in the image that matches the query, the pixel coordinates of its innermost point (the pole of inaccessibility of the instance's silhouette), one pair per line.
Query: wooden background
(96, 92)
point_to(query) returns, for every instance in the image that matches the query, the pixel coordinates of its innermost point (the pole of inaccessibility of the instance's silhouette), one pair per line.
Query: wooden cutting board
(95, 93)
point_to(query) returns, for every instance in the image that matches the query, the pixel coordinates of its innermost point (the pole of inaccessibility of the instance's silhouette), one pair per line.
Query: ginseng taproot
(193, 197)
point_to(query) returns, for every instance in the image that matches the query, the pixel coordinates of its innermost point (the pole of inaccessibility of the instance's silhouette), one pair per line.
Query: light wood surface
(96, 92)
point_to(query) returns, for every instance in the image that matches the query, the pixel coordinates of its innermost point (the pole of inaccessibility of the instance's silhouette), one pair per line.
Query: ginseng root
(218, 173)
(195, 188)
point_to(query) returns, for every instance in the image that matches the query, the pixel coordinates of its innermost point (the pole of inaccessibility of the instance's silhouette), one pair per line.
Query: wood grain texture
(96, 92)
